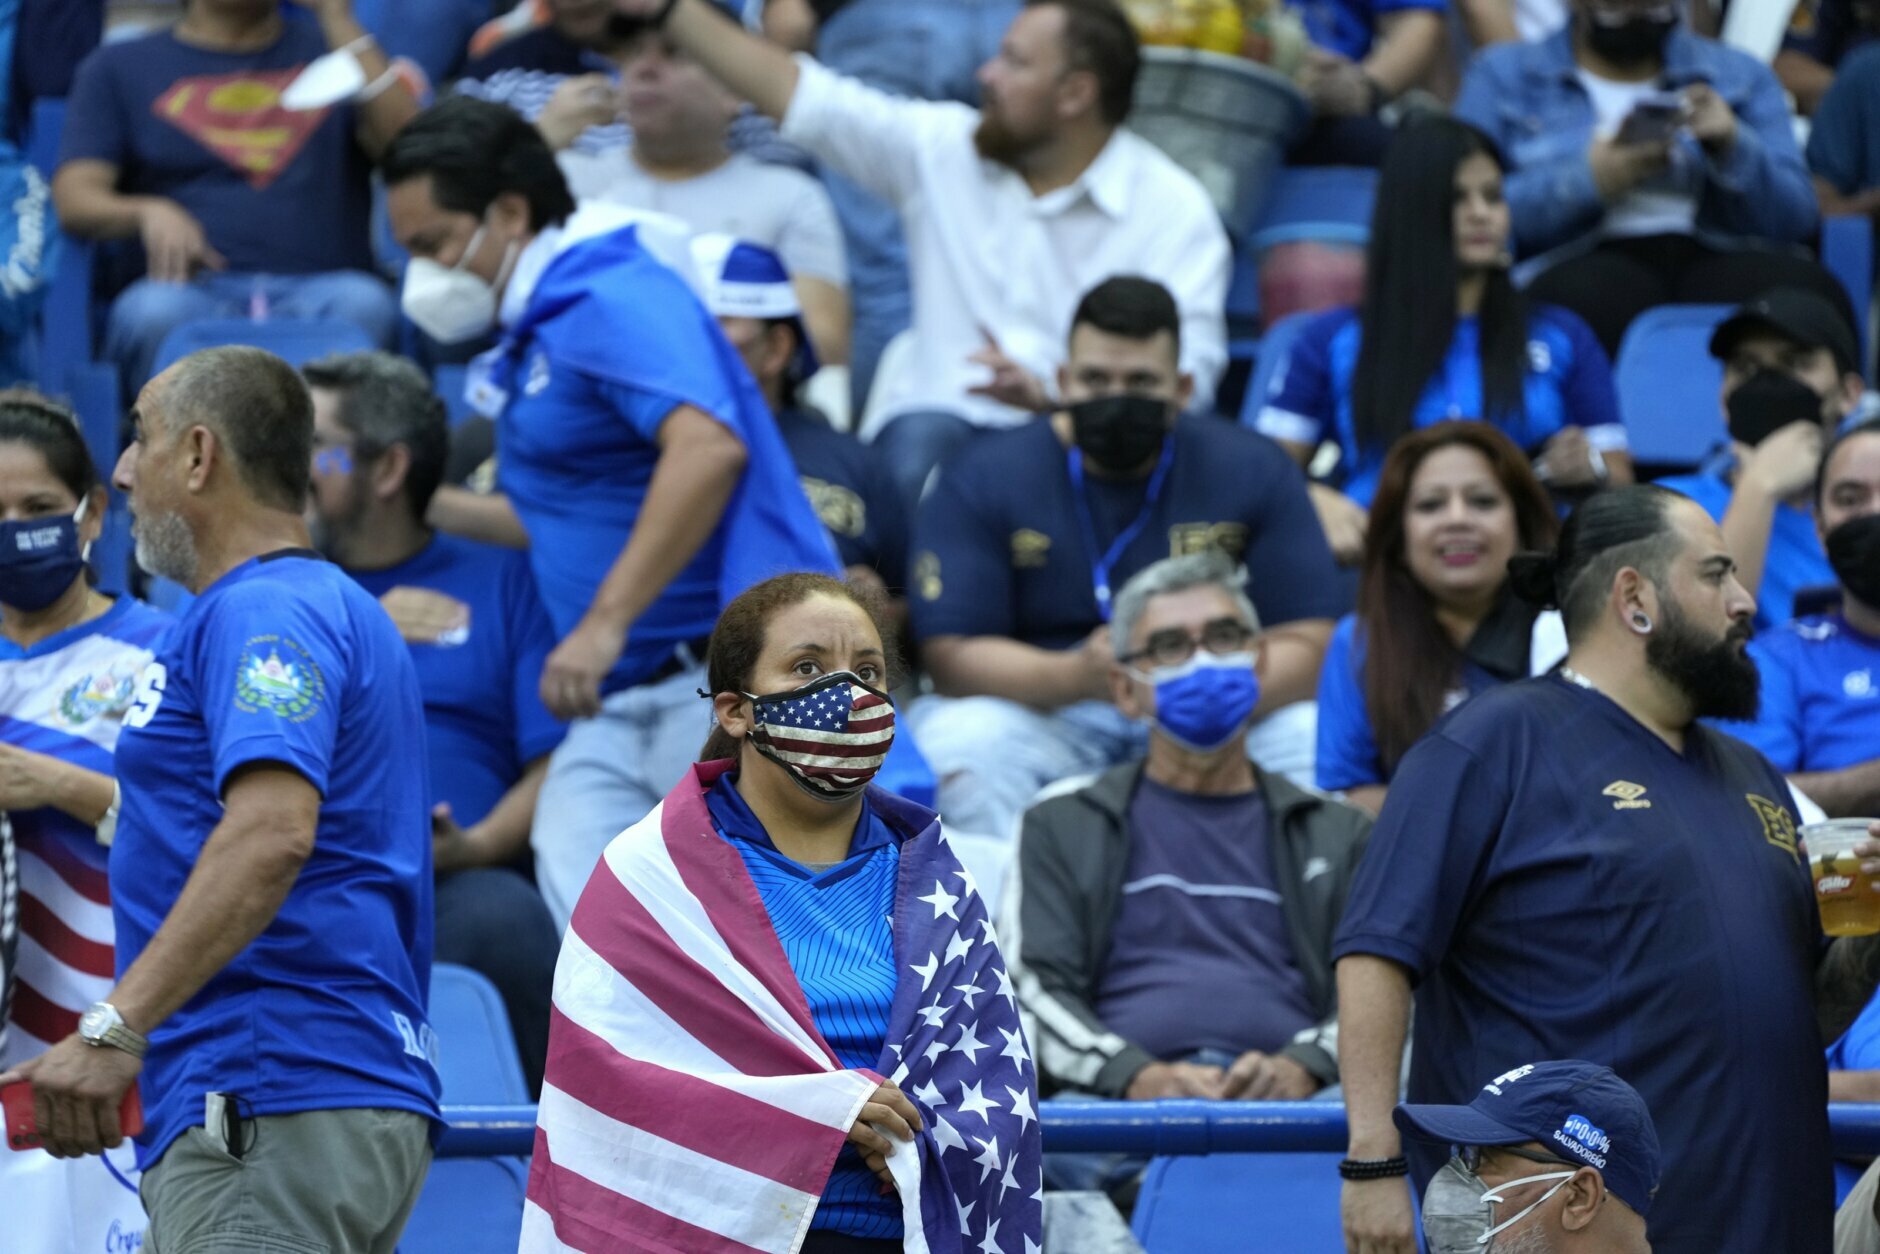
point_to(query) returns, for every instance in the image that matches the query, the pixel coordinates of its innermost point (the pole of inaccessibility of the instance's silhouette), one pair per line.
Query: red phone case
(23, 1132)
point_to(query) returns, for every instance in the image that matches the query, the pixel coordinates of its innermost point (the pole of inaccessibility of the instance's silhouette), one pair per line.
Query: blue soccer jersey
(483, 712)
(1820, 696)
(285, 661)
(65, 697)
(1795, 561)
(1568, 383)
(1560, 883)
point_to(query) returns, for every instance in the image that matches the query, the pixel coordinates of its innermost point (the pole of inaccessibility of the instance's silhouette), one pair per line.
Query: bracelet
(1374, 1168)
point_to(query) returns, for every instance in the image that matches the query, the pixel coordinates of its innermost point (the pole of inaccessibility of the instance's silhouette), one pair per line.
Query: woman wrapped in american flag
(781, 1021)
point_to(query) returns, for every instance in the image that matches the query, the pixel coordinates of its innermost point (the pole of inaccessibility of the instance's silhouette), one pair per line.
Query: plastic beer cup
(1849, 900)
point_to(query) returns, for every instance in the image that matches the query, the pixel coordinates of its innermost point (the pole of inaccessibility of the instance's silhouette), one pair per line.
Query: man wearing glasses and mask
(1024, 535)
(1169, 923)
(1550, 1158)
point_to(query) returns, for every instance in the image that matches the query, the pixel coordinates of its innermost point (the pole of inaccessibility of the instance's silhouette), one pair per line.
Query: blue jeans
(492, 920)
(434, 33)
(148, 310)
(928, 50)
(912, 445)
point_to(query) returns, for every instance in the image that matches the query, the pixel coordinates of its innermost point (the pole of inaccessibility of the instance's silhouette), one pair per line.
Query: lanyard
(1100, 566)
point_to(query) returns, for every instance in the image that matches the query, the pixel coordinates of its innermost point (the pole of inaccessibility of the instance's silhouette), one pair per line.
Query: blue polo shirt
(1820, 696)
(854, 498)
(285, 661)
(483, 713)
(1348, 27)
(835, 929)
(1844, 139)
(1560, 883)
(1001, 547)
(1795, 560)
(1568, 384)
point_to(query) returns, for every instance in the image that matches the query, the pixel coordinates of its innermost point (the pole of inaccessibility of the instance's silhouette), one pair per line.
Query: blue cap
(1580, 1111)
(740, 279)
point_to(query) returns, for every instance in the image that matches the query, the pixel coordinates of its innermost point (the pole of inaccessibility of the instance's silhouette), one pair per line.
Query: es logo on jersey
(1858, 683)
(105, 694)
(277, 676)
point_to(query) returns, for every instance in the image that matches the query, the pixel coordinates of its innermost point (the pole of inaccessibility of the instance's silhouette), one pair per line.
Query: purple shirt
(1199, 954)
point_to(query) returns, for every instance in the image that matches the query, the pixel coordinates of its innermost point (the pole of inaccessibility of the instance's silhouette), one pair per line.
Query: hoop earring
(1641, 622)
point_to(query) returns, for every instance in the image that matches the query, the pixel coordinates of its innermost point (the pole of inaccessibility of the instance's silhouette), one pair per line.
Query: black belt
(685, 655)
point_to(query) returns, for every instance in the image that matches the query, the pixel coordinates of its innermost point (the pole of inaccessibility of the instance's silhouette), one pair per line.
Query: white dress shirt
(985, 254)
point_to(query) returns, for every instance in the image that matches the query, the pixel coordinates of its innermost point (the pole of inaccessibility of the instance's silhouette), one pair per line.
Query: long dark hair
(1409, 314)
(738, 639)
(1410, 663)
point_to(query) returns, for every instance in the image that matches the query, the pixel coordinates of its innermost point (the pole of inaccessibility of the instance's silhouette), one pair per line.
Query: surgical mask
(1854, 552)
(1768, 401)
(39, 559)
(831, 734)
(449, 303)
(1633, 40)
(1120, 433)
(1458, 1211)
(1206, 701)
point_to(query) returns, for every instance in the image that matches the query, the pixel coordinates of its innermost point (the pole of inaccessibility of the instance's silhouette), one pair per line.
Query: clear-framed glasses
(1172, 646)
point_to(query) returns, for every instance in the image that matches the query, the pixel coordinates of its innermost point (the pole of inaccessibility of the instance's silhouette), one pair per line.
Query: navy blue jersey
(483, 713)
(285, 661)
(853, 496)
(1560, 883)
(1001, 547)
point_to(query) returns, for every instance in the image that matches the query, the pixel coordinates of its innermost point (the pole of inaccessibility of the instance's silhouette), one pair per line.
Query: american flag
(691, 1106)
(834, 736)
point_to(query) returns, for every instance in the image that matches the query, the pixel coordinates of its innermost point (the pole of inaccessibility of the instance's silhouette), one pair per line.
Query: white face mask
(1458, 1210)
(449, 303)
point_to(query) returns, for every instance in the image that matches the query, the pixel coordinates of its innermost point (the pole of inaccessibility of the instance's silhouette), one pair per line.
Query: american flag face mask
(830, 735)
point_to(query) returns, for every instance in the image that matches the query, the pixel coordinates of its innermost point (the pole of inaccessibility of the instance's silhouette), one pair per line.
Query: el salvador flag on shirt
(610, 342)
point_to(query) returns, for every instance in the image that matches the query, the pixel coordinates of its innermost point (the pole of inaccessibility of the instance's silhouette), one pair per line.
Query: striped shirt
(835, 931)
(64, 697)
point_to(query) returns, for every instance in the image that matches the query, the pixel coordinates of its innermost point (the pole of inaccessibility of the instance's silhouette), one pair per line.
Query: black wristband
(1374, 1168)
(659, 19)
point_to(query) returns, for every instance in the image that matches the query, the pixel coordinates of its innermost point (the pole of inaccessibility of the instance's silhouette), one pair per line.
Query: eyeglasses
(1173, 646)
(1471, 1156)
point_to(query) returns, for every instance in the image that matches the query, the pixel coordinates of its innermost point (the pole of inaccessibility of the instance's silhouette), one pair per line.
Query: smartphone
(22, 1131)
(1654, 119)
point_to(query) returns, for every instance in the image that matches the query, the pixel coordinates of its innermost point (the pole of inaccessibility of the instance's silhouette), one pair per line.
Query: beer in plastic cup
(1849, 900)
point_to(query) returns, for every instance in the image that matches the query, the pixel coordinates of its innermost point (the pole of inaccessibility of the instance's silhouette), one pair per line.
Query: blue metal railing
(1152, 1128)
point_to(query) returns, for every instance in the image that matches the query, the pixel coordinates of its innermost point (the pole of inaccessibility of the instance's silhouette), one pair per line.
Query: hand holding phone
(1655, 119)
(22, 1129)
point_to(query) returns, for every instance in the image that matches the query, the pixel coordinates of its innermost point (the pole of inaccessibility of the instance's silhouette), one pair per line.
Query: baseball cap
(1795, 314)
(739, 279)
(1580, 1111)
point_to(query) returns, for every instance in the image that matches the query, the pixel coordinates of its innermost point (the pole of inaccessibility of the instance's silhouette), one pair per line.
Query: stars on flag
(946, 1136)
(966, 877)
(942, 901)
(967, 992)
(969, 1044)
(928, 1093)
(990, 1245)
(1009, 1180)
(973, 1101)
(989, 1157)
(932, 1013)
(1005, 986)
(1021, 1107)
(926, 973)
(1015, 1049)
(958, 947)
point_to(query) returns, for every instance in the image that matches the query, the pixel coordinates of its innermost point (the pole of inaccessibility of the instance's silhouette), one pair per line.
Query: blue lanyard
(1100, 566)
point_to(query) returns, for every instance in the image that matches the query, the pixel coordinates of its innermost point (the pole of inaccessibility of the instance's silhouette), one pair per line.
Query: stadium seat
(65, 330)
(297, 340)
(1847, 252)
(1324, 204)
(1274, 346)
(1668, 384)
(471, 1205)
(1230, 1203)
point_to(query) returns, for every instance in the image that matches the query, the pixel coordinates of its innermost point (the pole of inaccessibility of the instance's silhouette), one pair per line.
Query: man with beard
(271, 875)
(1011, 212)
(1574, 867)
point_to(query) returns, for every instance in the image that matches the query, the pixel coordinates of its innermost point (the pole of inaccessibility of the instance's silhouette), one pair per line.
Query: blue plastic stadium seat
(1274, 346)
(1847, 252)
(1329, 204)
(1233, 1203)
(1668, 385)
(471, 1205)
(297, 340)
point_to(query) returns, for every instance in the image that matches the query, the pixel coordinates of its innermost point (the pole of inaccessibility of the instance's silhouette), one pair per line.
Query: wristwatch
(102, 1025)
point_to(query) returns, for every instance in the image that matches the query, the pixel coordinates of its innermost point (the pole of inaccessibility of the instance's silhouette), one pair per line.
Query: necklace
(1574, 677)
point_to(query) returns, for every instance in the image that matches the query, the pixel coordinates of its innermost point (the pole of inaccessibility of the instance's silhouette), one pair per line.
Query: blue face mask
(1206, 701)
(39, 559)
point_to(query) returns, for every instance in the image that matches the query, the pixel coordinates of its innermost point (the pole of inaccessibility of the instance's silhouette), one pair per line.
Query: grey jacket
(1062, 895)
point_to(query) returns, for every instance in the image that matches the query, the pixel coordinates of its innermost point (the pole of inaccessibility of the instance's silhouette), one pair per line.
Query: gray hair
(385, 400)
(258, 408)
(1210, 568)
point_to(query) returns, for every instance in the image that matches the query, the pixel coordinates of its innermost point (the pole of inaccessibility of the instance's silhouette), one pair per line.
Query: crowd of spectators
(1247, 731)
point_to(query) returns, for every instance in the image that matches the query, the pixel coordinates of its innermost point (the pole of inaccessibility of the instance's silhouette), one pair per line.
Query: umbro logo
(1626, 795)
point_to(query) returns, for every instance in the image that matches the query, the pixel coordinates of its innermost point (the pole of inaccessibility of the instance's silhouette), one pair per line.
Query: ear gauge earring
(1641, 622)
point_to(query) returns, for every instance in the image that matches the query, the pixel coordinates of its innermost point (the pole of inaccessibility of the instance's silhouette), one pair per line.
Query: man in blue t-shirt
(271, 875)
(1574, 866)
(478, 636)
(1020, 540)
(636, 452)
(182, 141)
(1791, 375)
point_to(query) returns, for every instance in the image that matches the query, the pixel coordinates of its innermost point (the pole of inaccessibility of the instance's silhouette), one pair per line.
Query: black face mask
(1768, 401)
(1631, 42)
(1854, 552)
(1120, 433)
